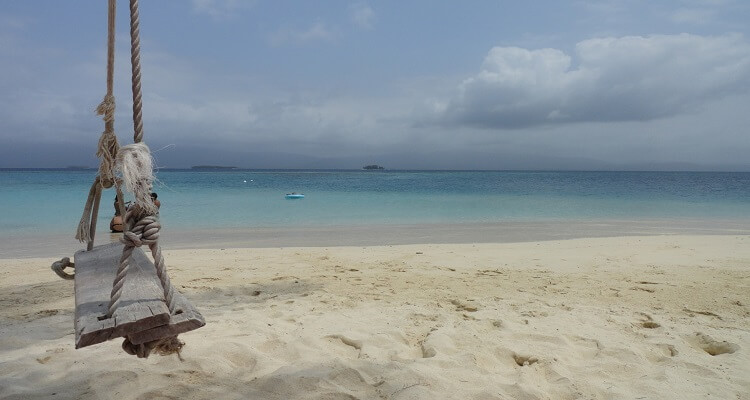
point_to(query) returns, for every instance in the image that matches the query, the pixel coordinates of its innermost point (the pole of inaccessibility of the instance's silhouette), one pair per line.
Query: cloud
(695, 16)
(706, 12)
(317, 32)
(604, 9)
(630, 78)
(362, 15)
(11, 22)
(220, 9)
(240, 117)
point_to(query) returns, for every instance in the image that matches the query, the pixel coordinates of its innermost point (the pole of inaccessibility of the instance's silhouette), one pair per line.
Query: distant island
(77, 167)
(211, 167)
(373, 166)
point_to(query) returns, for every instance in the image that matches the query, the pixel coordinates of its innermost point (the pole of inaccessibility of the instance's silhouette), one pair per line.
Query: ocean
(48, 202)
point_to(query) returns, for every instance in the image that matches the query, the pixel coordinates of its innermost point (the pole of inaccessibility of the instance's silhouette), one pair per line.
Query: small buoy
(244, 181)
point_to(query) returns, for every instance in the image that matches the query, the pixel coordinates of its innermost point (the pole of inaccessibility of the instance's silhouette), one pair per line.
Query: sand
(657, 317)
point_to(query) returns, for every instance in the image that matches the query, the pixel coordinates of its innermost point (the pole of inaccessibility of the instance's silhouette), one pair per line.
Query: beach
(375, 200)
(622, 317)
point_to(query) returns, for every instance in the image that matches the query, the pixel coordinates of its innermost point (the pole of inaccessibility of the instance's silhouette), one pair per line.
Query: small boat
(295, 196)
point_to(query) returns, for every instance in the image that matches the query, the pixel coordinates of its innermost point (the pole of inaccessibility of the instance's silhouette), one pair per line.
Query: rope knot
(107, 108)
(165, 346)
(59, 267)
(144, 229)
(149, 228)
(131, 239)
(107, 152)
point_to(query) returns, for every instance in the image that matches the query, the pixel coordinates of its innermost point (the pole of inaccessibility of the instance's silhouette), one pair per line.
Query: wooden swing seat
(142, 316)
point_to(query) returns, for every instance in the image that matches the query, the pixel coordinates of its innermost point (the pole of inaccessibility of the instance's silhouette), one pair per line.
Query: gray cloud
(318, 31)
(221, 9)
(362, 15)
(239, 118)
(616, 79)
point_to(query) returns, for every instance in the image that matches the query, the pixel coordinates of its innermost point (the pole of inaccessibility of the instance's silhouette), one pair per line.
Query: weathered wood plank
(141, 304)
(186, 319)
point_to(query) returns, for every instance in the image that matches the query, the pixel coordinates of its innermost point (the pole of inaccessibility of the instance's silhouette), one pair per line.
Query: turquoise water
(52, 200)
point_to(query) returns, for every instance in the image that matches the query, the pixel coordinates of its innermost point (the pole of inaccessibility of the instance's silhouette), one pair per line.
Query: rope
(134, 163)
(107, 148)
(131, 238)
(83, 233)
(59, 267)
(144, 229)
(135, 166)
(164, 347)
(135, 63)
(161, 272)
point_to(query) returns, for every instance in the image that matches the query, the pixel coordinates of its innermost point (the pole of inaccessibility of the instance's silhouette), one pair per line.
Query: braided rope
(107, 148)
(135, 62)
(141, 223)
(161, 272)
(107, 108)
(144, 229)
(59, 268)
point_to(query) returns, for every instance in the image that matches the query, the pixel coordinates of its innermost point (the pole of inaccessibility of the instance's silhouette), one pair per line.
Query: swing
(119, 292)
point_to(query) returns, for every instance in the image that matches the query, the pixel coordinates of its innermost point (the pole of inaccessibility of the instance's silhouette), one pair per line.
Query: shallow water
(53, 199)
(39, 205)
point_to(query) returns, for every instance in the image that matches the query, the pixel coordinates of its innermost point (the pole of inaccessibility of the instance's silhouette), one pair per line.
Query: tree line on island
(211, 167)
(221, 167)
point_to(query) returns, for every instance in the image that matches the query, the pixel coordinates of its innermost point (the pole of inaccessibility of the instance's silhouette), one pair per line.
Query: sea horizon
(708, 169)
(247, 208)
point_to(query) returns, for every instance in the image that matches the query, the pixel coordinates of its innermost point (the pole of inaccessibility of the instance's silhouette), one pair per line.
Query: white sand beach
(639, 317)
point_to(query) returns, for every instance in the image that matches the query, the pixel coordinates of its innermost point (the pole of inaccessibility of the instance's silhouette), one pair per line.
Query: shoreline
(618, 318)
(27, 245)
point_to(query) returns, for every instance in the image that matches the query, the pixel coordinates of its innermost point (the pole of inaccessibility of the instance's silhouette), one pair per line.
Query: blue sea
(50, 202)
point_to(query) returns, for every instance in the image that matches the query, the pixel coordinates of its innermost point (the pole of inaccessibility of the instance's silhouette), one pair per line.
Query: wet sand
(62, 243)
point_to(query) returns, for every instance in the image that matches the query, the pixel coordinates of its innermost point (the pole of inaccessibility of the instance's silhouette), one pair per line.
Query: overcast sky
(579, 84)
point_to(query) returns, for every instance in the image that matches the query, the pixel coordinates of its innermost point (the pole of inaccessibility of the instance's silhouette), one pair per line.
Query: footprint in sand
(648, 322)
(461, 306)
(587, 347)
(208, 279)
(351, 343)
(668, 349)
(428, 350)
(523, 360)
(712, 346)
(47, 313)
(707, 313)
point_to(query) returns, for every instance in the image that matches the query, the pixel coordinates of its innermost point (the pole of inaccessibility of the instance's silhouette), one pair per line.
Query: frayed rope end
(135, 166)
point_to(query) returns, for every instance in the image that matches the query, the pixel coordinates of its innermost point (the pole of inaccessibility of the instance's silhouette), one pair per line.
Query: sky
(578, 84)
